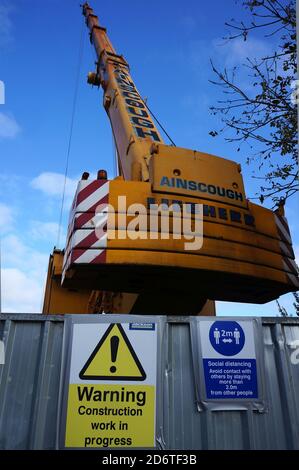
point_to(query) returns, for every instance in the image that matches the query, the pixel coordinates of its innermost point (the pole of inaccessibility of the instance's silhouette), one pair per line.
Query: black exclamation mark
(114, 342)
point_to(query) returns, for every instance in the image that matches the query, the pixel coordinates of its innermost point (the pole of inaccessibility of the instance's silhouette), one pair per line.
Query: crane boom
(133, 128)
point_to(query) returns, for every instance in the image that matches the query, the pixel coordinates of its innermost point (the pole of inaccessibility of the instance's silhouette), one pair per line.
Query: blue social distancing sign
(229, 359)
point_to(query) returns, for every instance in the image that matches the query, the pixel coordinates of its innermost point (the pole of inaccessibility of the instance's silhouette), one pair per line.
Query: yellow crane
(173, 230)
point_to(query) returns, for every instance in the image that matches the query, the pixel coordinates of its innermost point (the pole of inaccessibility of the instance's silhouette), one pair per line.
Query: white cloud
(15, 254)
(234, 53)
(5, 24)
(237, 50)
(6, 218)
(45, 231)
(52, 184)
(255, 310)
(10, 183)
(296, 251)
(9, 128)
(20, 292)
(23, 275)
(224, 53)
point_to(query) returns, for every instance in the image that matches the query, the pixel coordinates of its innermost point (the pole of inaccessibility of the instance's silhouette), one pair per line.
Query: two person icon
(227, 337)
(236, 335)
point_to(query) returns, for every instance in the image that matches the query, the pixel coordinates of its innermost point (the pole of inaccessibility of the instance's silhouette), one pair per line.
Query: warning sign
(112, 386)
(113, 358)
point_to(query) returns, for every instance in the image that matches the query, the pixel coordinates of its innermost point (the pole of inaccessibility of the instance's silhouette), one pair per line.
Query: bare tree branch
(264, 115)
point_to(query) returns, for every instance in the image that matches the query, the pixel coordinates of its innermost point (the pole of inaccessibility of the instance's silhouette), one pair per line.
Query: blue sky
(168, 45)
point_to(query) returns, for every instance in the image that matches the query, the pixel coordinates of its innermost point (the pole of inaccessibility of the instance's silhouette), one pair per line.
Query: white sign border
(227, 404)
(106, 320)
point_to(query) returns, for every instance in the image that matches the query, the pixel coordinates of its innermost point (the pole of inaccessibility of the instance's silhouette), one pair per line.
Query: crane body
(122, 261)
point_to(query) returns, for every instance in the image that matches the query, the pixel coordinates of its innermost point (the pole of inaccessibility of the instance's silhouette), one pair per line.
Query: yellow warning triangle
(113, 358)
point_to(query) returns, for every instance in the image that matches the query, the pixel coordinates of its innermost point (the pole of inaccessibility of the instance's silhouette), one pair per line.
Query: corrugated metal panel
(29, 381)
(278, 428)
(29, 385)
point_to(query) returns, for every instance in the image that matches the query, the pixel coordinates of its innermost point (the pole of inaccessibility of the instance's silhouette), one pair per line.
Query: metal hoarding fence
(33, 375)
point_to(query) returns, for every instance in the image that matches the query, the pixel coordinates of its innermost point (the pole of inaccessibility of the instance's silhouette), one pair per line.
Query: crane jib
(139, 117)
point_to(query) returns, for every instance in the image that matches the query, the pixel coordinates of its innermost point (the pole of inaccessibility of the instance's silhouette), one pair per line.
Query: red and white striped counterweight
(87, 229)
